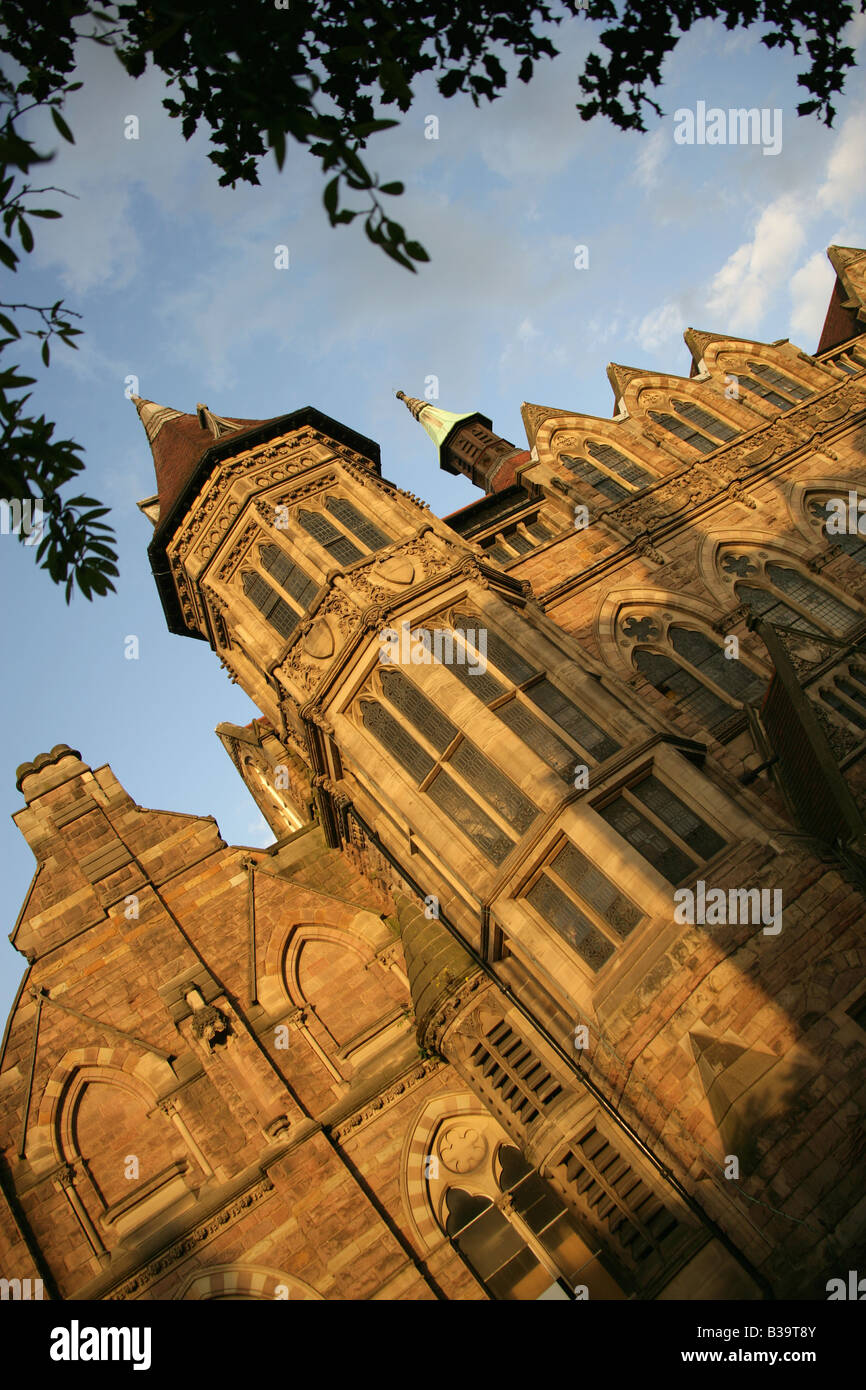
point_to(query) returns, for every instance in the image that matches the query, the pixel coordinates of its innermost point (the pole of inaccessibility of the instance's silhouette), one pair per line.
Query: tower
(593, 749)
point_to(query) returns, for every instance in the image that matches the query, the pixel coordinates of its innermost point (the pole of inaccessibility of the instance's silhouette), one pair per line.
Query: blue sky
(176, 283)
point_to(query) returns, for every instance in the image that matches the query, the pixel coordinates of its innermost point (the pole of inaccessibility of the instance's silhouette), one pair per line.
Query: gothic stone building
(460, 1032)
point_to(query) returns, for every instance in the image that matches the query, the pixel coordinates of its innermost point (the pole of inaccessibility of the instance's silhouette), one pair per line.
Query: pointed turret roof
(440, 424)
(187, 447)
(178, 442)
(846, 312)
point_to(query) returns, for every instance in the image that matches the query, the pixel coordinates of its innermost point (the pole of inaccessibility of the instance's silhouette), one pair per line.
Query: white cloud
(844, 178)
(811, 287)
(659, 326)
(740, 291)
(648, 164)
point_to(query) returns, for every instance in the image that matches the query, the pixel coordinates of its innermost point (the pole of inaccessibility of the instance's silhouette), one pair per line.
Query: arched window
(697, 676)
(353, 520)
(694, 426)
(288, 575)
(764, 390)
(710, 424)
(596, 477)
(275, 609)
(821, 511)
(795, 389)
(317, 525)
(613, 461)
(783, 595)
(522, 1244)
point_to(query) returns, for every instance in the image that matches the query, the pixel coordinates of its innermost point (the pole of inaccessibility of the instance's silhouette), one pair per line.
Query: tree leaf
(62, 126)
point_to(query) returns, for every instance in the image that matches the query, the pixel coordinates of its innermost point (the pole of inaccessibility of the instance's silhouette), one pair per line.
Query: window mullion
(667, 830)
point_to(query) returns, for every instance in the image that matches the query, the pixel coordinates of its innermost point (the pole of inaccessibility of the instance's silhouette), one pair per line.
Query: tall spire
(467, 444)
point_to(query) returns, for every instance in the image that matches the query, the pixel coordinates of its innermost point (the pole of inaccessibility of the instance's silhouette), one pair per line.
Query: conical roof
(178, 442)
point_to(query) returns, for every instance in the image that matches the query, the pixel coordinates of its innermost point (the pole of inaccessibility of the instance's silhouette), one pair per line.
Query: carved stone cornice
(347, 607)
(702, 480)
(239, 550)
(397, 1091)
(199, 1235)
(726, 622)
(461, 999)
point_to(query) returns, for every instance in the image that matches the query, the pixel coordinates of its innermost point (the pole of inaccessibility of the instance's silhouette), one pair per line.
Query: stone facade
(553, 983)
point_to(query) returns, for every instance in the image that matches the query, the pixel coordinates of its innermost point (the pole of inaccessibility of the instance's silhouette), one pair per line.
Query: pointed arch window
(317, 525)
(288, 575)
(704, 420)
(696, 676)
(695, 425)
(353, 520)
(517, 1235)
(275, 609)
(780, 382)
(764, 390)
(783, 595)
(848, 696)
(614, 461)
(854, 544)
(683, 431)
(596, 477)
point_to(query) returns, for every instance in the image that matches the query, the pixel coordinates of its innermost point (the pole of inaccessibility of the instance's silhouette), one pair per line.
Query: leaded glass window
(853, 544)
(405, 696)
(288, 575)
(493, 786)
(538, 530)
(395, 739)
(710, 424)
(683, 431)
(822, 608)
(582, 729)
(516, 539)
(537, 736)
(355, 521)
(317, 525)
(543, 693)
(828, 610)
(602, 482)
(273, 608)
(476, 825)
(760, 388)
(674, 850)
(501, 653)
(781, 382)
(573, 926)
(617, 462)
(590, 884)
(682, 687)
(485, 778)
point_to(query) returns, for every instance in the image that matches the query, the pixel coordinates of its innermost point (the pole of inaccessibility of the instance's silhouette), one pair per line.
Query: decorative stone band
(394, 1093)
(198, 1236)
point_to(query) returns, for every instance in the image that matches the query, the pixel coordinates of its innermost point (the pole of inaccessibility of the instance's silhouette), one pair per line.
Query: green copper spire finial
(439, 424)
